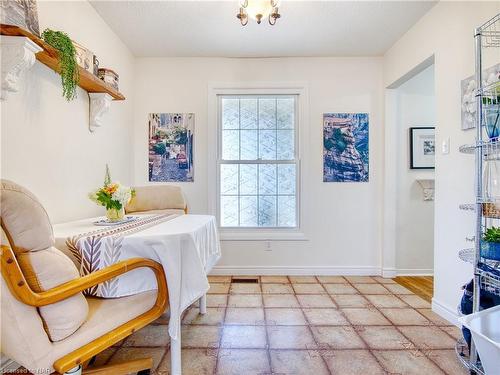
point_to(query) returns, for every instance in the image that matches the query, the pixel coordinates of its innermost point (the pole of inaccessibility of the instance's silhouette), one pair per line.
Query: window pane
(230, 113)
(267, 211)
(286, 211)
(249, 146)
(248, 179)
(267, 179)
(229, 179)
(229, 211)
(286, 145)
(286, 179)
(248, 108)
(286, 113)
(267, 113)
(267, 144)
(230, 144)
(248, 211)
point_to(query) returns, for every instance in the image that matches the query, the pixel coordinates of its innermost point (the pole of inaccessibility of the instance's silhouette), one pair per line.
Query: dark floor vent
(245, 280)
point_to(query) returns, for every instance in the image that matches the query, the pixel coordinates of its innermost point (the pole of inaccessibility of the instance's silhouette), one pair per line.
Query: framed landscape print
(422, 148)
(171, 147)
(345, 147)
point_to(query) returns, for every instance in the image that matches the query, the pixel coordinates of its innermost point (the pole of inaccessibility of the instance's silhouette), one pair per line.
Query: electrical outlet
(268, 246)
(445, 146)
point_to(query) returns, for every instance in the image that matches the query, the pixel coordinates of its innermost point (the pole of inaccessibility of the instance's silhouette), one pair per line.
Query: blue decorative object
(345, 147)
(490, 250)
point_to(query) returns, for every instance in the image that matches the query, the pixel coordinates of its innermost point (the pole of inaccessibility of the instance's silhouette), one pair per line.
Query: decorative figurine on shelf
(113, 196)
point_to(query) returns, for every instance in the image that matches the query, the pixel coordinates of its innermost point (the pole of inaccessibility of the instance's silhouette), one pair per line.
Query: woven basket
(491, 210)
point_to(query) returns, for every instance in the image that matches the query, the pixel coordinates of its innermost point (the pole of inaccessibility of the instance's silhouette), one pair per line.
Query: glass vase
(491, 120)
(114, 214)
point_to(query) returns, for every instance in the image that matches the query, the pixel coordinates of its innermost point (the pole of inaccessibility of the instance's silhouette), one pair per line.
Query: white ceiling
(307, 28)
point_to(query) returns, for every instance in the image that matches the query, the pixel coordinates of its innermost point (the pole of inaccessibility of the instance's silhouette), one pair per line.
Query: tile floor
(303, 325)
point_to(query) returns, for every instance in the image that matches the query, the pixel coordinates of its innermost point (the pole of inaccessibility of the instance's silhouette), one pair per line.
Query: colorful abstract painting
(171, 147)
(345, 147)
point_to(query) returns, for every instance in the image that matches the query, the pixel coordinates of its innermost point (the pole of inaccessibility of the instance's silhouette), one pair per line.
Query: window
(257, 161)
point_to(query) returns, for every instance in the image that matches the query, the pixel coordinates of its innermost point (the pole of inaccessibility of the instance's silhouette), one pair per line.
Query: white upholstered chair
(47, 323)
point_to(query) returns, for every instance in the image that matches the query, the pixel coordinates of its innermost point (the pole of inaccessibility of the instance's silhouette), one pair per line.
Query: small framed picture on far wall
(422, 147)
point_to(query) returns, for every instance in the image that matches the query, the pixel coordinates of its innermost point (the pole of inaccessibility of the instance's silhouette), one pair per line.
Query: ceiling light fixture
(258, 9)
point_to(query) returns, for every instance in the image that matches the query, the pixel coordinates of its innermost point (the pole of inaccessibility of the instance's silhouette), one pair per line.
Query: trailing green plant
(492, 234)
(67, 60)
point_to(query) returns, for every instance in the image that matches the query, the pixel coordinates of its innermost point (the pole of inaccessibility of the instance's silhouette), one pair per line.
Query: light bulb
(259, 9)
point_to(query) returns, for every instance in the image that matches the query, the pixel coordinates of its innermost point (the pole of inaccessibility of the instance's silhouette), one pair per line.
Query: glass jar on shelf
(491, 187)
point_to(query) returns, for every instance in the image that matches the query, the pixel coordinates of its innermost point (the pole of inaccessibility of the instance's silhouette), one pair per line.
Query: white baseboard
(414, 272)
(445, 312)
(389, 272)
(296, 271)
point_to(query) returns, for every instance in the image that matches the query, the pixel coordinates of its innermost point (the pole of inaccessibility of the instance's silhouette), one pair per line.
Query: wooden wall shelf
(49, 56)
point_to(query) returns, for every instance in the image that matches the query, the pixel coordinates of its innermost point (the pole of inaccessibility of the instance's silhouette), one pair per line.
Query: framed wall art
(422, 147)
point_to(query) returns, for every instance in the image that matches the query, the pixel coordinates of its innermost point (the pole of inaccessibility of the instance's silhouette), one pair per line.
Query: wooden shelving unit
(49, 57)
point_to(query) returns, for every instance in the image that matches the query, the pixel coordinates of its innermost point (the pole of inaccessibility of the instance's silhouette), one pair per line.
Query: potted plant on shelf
(67, 60)
(490, 245)
(114, 196)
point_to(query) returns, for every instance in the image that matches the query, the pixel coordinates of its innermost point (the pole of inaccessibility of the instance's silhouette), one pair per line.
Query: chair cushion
(29, 231)
(158, 197)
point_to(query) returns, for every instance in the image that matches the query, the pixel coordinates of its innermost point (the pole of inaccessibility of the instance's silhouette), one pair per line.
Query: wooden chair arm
(22, 291)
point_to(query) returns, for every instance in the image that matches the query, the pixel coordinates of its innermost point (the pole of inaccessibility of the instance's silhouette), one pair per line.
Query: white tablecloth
(187, 246)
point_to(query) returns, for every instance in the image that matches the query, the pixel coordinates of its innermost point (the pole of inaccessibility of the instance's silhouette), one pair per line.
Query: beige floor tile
(325, 317)
(340, 289)
(290, 337)
(405, 317)
(219, 279)
(285, 317)
(277, 289)
(384, 280)
(332, 279)
(428, 337)
(245, 300)
(385, 300)
(164, 318)
(308, 289)
(415, 301)
(384, 338)
(243, 361)
(102, 358)
(434, 318)
(200, 336)
(341, 337)
(214, 316)
(447, 361)
(297, 362)
(407, 362)
(244, 337)
(352, 362)
(280, 300)
(216, 300)
(274, 279)
(365, 316)
(371, 288)
(219, 288)
(397, 289)
(242, 315)
(350, 300)
(453, 331)
(152, 335)
(194, 362)
(314, 300)
(127, 354)
(303, 279)
(361, 279)
(243, 288)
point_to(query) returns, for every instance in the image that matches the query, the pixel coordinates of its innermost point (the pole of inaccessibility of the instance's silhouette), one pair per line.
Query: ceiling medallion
(258, 9)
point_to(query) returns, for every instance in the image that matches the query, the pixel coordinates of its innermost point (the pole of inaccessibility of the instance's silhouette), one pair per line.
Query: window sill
(261, 235)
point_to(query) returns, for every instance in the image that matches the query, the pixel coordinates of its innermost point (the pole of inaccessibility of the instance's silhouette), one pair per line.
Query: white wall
(447, 33)
(46, 145)
(414, 216)
(342, 221)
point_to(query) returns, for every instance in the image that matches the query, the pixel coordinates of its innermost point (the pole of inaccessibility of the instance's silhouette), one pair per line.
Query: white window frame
(215, 92)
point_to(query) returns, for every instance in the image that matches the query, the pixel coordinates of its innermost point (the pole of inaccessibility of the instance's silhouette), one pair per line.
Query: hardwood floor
(422, 286)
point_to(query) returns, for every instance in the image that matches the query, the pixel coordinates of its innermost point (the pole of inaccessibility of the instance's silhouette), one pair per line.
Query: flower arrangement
(114, 196)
